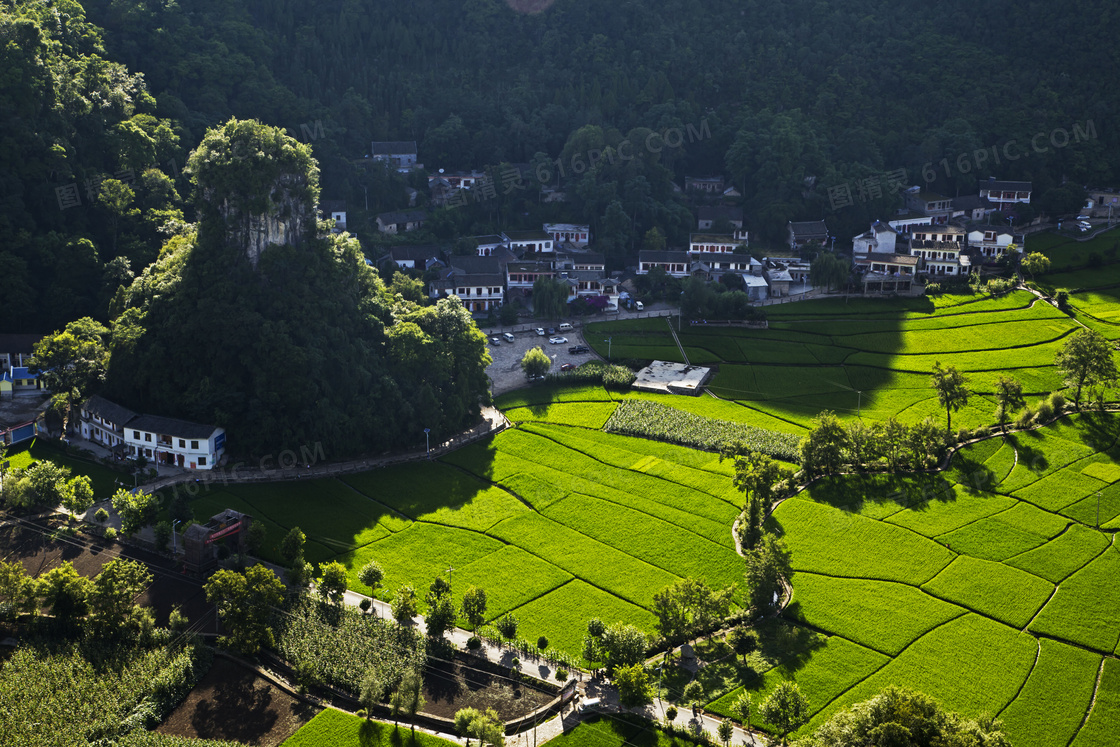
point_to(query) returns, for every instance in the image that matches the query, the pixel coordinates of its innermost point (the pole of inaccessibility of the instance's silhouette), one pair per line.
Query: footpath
(586, 688)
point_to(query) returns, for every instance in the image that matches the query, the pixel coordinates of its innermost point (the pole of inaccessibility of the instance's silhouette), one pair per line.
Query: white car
(539, 331)
(558, 341)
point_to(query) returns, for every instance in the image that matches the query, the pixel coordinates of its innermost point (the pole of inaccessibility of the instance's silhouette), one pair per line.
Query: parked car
(639, 306)
(557, 340)
(508, 336)
(566, 327)
(539, 331)
(578, 349)
(495, 341)
(567, 367)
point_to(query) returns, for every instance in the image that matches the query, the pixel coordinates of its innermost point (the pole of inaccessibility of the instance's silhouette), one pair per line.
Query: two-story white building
(166, 441)
(990, 242)
(174, 442)
(103, 422)
(881, 238)
(521, 276)
(937, 207)
(1005, 195)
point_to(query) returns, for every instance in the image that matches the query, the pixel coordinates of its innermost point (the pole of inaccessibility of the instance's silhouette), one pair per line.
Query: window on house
(194, 445)
(182, 443)
(147, 436)
(202, 461)
(136, 435)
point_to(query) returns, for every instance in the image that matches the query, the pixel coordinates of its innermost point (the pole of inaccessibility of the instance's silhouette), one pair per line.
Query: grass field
(332, 728)
(104, 480)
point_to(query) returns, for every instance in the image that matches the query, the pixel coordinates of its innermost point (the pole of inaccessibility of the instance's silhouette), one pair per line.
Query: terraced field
(995, 594)
(558, 523)
(869, 356)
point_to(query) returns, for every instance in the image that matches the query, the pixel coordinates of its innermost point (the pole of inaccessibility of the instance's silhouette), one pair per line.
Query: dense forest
(793, 98)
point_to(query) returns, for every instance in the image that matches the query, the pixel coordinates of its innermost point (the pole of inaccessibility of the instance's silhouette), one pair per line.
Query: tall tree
(245, 602)
(72, 361)
(759, 478)
(535, 362)
(822, 449)
(136, 510)
(634, 687)
(1009, 397)
(767, 570)
(474, 606)
(952, 391)
(332, 582)
(115, 589)
(1086, 359)
(786, 708)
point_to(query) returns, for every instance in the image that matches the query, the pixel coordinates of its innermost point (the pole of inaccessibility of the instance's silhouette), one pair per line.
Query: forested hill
(880, 83)
(797, 96)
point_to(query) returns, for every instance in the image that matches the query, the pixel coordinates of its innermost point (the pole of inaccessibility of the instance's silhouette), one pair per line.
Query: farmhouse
(521, 275)
(804, 232)
(887, 273)
(569, 233)
(939, 248)
(15, 350)
(334, 210)
(709, 184)
(400, 153)
(1005, 195)
(676, 264)
(414, 257)
(166, 441)
(991, 243)
(879, 239)
(971, 207)
(530, 241)
(400, 221)
(938, 208)
(706, 244)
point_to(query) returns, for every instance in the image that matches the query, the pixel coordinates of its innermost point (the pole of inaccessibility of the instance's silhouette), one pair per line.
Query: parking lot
(506, 371)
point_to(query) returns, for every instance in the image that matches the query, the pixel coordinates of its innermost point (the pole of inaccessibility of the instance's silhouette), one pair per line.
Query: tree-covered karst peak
(256, 184)
(297, 343)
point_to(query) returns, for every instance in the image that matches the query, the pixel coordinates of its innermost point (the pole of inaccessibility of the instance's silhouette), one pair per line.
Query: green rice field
(999, 594)
(866, 357)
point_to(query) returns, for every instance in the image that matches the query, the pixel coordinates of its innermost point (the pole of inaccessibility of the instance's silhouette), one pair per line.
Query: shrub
(933, 289)
(365, 604)
(101, 516)
(671, 713)
(561, 674)
(1043, 412)
(1057, 401)
(474, 643)
(1025, 418)
(542, 643)
(110, 534)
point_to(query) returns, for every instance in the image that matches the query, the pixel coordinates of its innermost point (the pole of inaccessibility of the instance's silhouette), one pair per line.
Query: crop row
(657, 421)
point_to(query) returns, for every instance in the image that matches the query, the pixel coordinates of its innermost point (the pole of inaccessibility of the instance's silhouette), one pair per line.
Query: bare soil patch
(449, 687)
(235, 703)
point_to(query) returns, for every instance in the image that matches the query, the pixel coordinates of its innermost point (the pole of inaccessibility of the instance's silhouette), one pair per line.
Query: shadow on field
(856, 492)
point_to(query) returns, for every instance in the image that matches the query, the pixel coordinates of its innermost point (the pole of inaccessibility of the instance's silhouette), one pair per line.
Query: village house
(166, 441)
(887, 273)
(676, 264)
(569, 233)
(707, 244)
(971, 207)
(881, 238)
(479, 282)
(417, 257)
(15, 350)
(1005, 195)
(401, 221)
(939, 248)
(906, 221)
(534, 242)
(991, 243)
(801, 233)
(778, 278)
(938, 208)
(400, 153)
(581, 261)
(521, 275)
(1103, 202)
(334, 210)
(488, 245)
(709, 184)
(18, 380)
